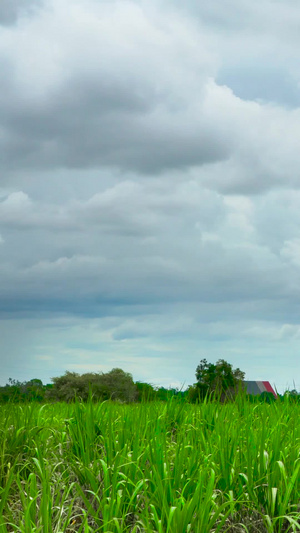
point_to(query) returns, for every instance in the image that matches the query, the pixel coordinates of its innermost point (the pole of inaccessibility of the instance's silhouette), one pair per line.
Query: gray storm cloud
(147, 188)
(145, 102)
(11, 10)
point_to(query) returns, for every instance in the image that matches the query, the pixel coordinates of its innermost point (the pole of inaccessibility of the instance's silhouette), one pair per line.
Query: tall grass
(165, 468)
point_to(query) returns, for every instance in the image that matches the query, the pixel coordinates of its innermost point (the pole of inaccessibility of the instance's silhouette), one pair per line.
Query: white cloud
(291, 251)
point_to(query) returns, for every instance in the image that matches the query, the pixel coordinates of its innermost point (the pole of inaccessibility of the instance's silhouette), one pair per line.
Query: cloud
(122, 247)
(146, 101)
(291, 251)
(149, 183)
(87, 345)
(93, 100)
(11, 10)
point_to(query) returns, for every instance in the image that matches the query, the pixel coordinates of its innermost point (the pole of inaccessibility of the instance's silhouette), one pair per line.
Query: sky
(150, 188)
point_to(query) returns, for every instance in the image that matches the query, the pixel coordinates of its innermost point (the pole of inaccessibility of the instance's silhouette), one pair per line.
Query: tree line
(213, 381)
(115, 385)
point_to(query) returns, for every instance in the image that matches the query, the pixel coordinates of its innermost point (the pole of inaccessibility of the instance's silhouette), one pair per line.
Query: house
(258, 387)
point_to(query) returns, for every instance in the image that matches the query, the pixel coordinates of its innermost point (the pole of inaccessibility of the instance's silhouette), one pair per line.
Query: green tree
(118, 385)
(34, 390)
(293, 395)
(145, 391)
(219, 379)
(193, 393)
(114, 385)
(26, 391)
(267, 397)
(65, 388)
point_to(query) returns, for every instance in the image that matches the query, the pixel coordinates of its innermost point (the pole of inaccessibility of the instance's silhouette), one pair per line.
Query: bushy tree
(145, 392)
(118, 385)
(66, 387)
(267, 397)
(193, 393)
(293, 395)
(26, 391)
(34, 390)
(219, 379)
(115, 385)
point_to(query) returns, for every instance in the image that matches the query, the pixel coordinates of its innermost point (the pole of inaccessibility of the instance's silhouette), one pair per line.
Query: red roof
(257, 387)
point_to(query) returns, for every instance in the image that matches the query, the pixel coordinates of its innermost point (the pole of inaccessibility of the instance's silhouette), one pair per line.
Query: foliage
(17, 391)
(116, 384)
(290, 395)
(194, 394)
(150, 467)
(219, 379)
(267, 397)
(145, 392)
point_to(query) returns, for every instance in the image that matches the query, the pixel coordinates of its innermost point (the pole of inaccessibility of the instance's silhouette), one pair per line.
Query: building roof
(257, 387)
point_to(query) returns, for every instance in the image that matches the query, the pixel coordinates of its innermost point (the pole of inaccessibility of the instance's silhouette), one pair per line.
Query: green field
(157, 467)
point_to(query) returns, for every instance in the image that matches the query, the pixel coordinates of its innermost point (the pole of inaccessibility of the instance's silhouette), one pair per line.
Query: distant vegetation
(216, 380)
(219, 381)
(115, 385)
